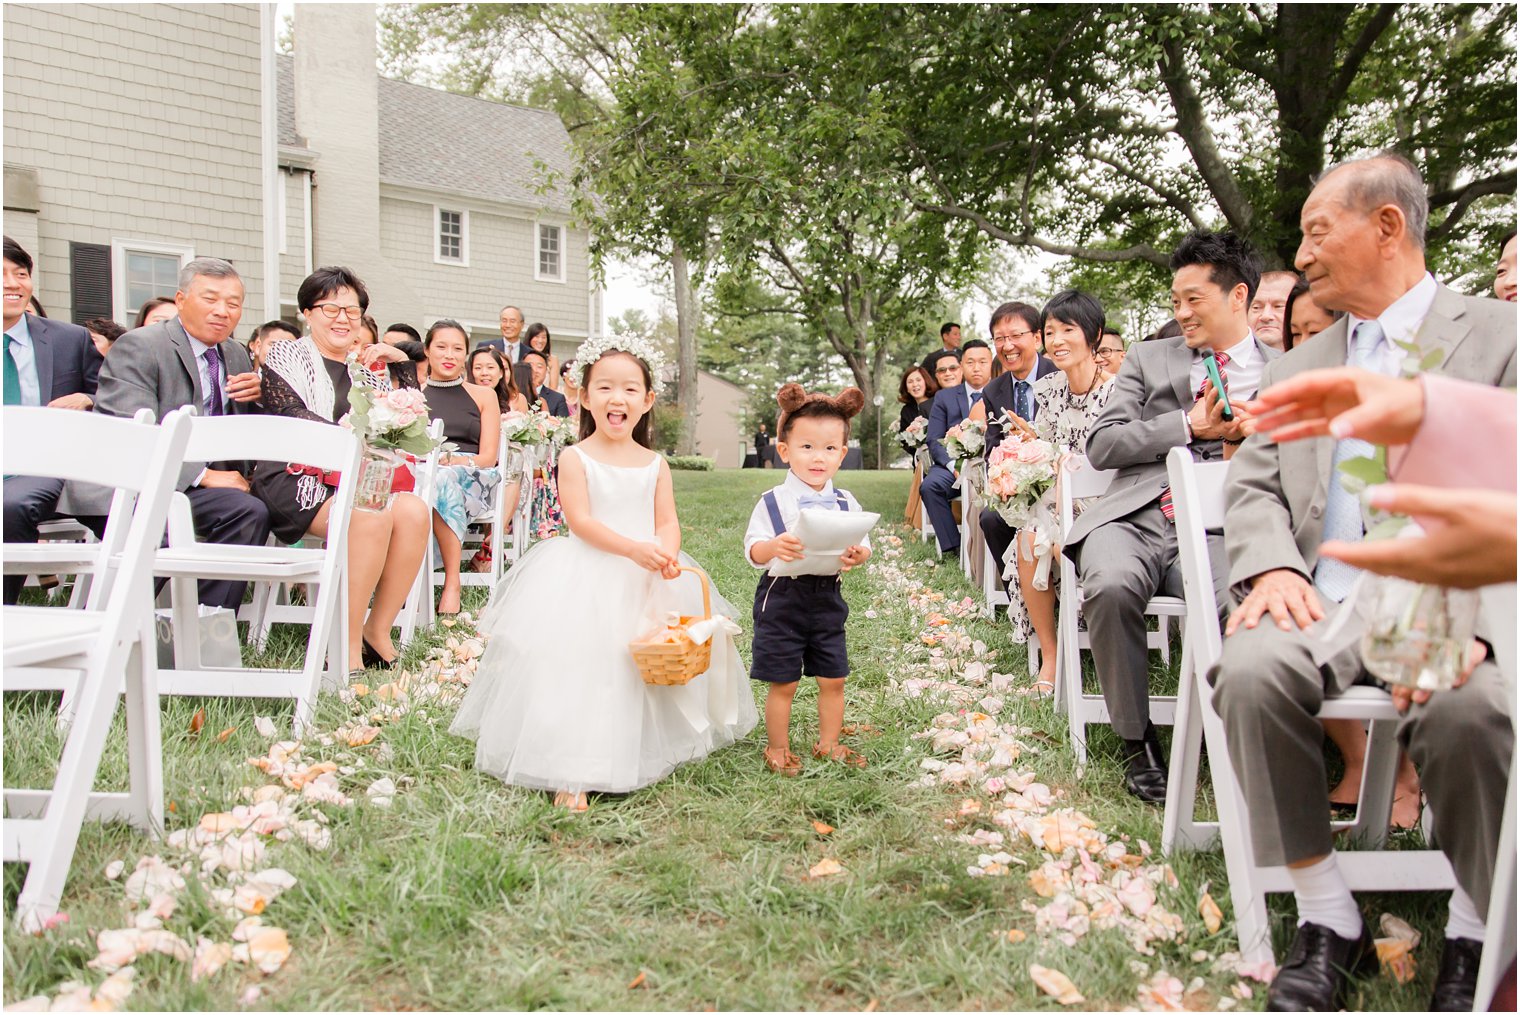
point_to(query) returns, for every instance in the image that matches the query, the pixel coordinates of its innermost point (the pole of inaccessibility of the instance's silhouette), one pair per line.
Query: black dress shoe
(373, 659)
(1315, 975)
(1457, 980)
(1145, 772)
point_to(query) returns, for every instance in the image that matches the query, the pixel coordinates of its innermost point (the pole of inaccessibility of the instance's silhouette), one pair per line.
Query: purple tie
(214, 370)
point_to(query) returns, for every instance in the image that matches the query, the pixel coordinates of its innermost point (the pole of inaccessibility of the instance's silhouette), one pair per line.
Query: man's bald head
(1382, 179)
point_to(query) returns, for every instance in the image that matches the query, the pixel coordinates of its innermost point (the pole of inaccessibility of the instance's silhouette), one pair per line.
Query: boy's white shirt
(787, 494)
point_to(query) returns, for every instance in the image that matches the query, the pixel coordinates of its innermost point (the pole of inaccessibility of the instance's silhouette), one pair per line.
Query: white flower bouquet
(965, 441)
(533, 427)
(914, 436)
(1020, 472)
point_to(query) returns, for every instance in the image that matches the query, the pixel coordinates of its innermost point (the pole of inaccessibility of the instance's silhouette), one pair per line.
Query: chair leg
(144, 736)
(1180, 828)
(187, 620)
(1164, 625)
(1247, 896)
(1379, 773)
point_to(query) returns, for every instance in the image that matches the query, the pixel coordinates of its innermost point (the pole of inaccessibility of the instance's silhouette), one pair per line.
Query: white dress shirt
(787, 494)
(25, 356)
(1400, 322)
(1242, 376)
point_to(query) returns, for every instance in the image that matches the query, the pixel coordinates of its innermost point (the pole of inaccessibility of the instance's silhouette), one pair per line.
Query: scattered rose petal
(210, 957)
(114, 869)
(221, 737)
(268, 948)
(197, 721)
(1016, 936)
(1209, 910)
(821, 828)
(825, 868)
(637, 981)
(1054, 983)
(264, 727)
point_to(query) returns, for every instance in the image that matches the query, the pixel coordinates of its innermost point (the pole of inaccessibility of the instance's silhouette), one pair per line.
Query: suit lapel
(181, 340)
(1179, 365)
(42, 356)
(1442, 328)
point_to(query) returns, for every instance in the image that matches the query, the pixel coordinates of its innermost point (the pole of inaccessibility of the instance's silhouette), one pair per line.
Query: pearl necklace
(456, 382)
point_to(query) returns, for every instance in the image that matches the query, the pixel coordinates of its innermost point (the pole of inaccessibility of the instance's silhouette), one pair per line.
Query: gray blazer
(1139, 426)
(152, 368)
(1276, 493)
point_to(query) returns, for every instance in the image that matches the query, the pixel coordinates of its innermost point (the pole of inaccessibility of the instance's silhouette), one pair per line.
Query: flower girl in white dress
(557, 702)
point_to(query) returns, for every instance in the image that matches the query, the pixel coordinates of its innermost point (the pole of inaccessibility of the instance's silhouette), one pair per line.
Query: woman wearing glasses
(307, 378)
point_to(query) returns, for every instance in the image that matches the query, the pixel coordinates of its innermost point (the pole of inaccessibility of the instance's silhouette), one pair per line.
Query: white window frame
(120, 247)
(538, 228)
(463, 260)
(280, 201)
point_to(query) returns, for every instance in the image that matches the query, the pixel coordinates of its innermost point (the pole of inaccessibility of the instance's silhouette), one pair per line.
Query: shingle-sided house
(437, 200)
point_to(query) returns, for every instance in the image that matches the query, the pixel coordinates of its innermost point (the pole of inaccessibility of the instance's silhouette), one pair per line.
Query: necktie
(1343, 509)
(818, 500)
(214, 405)
(1021, 404)
(1223, 359)
(976, 396)
(1168, 510)
(12, 375)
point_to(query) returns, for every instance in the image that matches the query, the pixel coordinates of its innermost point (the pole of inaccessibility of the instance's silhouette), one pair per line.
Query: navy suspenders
(774, 509)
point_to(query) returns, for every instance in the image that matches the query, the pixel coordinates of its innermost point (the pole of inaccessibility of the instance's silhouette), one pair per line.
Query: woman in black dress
(467, 476)
(308, 378)
(916, 392)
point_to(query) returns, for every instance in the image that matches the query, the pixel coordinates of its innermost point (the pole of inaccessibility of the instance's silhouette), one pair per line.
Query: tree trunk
(686, 358)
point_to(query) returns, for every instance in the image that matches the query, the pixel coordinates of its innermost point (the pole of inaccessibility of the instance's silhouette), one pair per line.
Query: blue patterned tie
(976, 396)
(818, 500)
(1343, 509)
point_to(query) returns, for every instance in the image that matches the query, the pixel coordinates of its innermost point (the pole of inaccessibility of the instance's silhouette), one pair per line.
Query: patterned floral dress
(1063, 419)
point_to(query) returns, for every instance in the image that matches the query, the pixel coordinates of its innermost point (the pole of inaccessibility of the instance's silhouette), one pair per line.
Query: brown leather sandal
(840, 753)
(790, 765)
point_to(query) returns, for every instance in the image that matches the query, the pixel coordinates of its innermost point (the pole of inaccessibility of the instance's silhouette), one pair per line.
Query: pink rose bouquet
(965, 441)
(393, 420)
(1020, 473)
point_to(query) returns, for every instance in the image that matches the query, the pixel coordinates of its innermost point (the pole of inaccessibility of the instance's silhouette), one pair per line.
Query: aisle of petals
(224, 859)
(1083, 878)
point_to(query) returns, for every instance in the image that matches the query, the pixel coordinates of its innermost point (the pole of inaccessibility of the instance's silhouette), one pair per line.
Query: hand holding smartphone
(1211, 364)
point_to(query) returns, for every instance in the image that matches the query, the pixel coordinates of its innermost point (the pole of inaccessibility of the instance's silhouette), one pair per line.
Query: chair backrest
(1078, 479)
(1199, 502)
(427, 474)
(82, 446)
(270, 438)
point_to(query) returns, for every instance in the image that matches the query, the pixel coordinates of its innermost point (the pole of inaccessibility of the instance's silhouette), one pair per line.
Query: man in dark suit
(949, 341)
(187, 360)
(1015, 333)
(1363, 252)
(951, 408)
(540, 392)
(510, 344)
(47, 363)
(1125, 545)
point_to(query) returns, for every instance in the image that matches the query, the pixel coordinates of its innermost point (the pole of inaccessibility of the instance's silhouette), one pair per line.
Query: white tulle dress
(557, 702)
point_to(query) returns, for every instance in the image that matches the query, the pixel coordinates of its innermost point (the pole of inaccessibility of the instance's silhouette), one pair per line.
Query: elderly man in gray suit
(187, 360)
(1362, 252)
(1125, 545)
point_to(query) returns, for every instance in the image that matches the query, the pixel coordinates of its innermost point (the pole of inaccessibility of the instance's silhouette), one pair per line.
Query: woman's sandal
(575, 803)
(790, 765)
(1043, 688)
(840, 753)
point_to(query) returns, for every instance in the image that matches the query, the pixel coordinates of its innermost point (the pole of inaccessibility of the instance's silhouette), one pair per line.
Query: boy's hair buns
(792, 397)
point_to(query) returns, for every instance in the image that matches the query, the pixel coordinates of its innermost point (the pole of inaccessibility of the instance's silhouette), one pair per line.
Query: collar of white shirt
(1242, 353)
(21, 331)
(971, 391)
(797, 488)
(1402, 319)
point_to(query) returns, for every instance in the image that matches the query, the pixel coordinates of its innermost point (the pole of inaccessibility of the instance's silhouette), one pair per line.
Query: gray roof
(437, 140)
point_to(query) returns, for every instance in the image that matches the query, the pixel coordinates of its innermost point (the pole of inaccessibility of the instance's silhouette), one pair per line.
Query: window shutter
(90, 280)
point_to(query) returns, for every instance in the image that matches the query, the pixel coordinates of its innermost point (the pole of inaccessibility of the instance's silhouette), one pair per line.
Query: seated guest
(945, 368)
(1171, 329)
(1110, 351)
(1504, 273)
(552, 400)
(467, 476)
(949, 341)
(186, 359)
(46, 363)
(159, 308)
(1015, 332)
(308, 379)
(1268, 306)
(571, 390)
(1125, 545)
(916, 392)
(537, 338)
(488, 368)
(266, 335)
(951, 408)
(366, 332)
(1363, 253)
(398, 334)
(1303, 318)
(103, 331)
(1068, 401)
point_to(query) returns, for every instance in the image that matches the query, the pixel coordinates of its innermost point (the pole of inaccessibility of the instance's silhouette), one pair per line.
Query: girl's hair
(151, 305)
(372, 328)
(505, 389)
(534, 330)
(1079, 310)
(445, 324)
(641, 429)
(930, 387)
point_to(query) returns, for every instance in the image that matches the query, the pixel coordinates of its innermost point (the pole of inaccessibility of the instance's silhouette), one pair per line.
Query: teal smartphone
(1212, 365)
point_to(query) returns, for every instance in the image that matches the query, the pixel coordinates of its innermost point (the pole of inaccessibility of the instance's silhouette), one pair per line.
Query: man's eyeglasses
(945, 370)
(1014, 337)
(332, 310)
(1102, 353)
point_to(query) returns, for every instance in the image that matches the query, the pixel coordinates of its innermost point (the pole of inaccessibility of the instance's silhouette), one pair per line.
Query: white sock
(1323, 898)
(1462, 918)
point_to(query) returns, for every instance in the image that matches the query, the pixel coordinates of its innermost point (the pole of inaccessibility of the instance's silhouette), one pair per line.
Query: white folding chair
(419, 608)
(475, 535)
(1079, 480)
(98, 651)
(1198, 496)
(323, 570)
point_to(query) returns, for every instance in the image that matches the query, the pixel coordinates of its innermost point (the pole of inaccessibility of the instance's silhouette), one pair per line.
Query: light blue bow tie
(817, 500)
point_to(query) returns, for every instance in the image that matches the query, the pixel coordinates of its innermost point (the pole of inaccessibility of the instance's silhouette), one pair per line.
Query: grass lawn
(691, 894)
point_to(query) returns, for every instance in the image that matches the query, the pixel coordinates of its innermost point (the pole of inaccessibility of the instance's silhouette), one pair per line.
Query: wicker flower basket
(667, 663)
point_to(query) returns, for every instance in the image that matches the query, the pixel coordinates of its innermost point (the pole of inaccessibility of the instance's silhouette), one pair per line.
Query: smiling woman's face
(445, 354)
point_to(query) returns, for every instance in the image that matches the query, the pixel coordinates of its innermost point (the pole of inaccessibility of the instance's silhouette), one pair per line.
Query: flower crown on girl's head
(595, 348)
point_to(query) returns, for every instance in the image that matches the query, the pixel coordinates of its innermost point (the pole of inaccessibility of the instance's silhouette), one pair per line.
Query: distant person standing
(762, 446)
(509, 344)
(949, 341)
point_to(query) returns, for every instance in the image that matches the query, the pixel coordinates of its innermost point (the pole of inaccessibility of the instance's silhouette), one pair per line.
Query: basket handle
(706, 591)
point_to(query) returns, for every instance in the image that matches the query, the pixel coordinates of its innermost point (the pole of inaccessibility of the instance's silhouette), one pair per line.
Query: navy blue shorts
(799, 629)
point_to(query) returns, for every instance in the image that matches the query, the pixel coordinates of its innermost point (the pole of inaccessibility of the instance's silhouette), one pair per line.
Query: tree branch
(1172, 198)
(1461, 198)
(1142, 251)
(1193, 127)
(1369, 35)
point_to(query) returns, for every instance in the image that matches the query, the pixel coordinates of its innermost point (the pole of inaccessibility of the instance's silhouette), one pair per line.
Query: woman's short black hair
(324, 282)
(1080, 310)
(1231, 259)
(1503, 242)
(149, 306)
